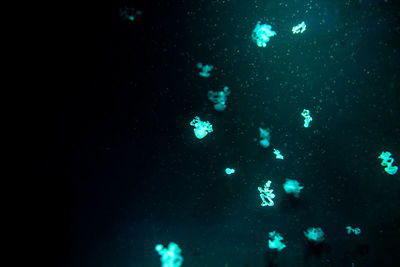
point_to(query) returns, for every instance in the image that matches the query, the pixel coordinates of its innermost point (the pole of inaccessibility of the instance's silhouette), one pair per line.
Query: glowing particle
(356, 230)
(229, 171)
(262, 33)
(278, 154)
(266, 194)
(276, 242)
(219, 98)
(387, 162)
(307, 117)
(205, 69)
(299, 28)
(292, 187)
(315, 235)
(201, 128)
(264, 137)
(170, 257)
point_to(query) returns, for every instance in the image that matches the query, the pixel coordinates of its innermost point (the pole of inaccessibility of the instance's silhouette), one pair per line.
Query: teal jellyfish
(264, 137)
(315, 235)
(300, 28)
(205, 69)
(307, 117)
(387, 162)
(170, 257)
(201, 128)
(292, 187)
(276, 241)
(262, 33)
(266, 195)
(219, 98)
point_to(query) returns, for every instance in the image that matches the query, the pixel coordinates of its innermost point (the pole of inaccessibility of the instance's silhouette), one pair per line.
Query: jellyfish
(205, 69)
(171, 256)
(229, 171)
(219, 98)
(261, 34)
(355, 231)
(315, 235)
(292, 187)
(278, 154)
(307, 117)
(128, 13)
(300, 28)
(267, 194)
(276, 241)
(201, 128)
(264, 137)
(387, 162)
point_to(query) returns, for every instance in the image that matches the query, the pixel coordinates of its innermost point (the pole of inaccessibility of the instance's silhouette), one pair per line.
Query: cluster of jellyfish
(261, 35)
(315, 235)
(291, 187)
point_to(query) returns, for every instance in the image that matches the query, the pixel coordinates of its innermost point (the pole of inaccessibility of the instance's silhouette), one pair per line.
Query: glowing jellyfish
(262, 33)
(276, 241)
(355, 231)
(266, 195)
(264, 137)
(229, 171)
(205, 69)
(300, 28)
(170, 257)
(201, 128)
(128, 13)
(387, 162)
(307, 117)
(292, 187)
(278, 154)
(219, 98)
(315, 235)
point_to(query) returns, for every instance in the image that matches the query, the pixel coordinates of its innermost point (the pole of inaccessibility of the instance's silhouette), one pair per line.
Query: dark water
(128, 173)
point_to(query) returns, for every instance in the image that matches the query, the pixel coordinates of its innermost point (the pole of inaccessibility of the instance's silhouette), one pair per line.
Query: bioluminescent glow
(128, 13)
(387, 162)
(229, 171)
(300, 28)
(205, 69)
(278, 154)
(355, 231)
(307, 117)
(275, 241)
(170, 257)
(201, 128)
(267, 194)
(262, 33)
(315, 235)
(264, 137)
(219, 98)
(292, 187)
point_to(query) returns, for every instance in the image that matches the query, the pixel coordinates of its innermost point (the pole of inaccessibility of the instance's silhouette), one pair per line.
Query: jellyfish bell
(220, 106)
